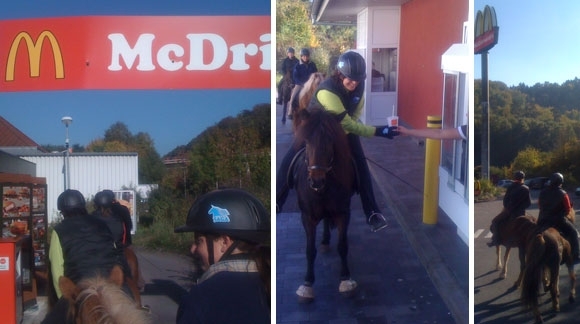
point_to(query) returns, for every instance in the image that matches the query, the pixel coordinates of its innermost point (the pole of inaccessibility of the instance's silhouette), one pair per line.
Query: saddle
(293, 170)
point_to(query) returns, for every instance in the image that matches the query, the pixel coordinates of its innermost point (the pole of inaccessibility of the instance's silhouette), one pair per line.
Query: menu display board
(24, 214)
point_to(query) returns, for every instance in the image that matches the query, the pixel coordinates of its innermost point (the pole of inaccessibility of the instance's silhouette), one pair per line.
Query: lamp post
(67, 120)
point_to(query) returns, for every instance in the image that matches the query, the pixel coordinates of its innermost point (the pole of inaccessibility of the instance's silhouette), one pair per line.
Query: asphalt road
(495, 301)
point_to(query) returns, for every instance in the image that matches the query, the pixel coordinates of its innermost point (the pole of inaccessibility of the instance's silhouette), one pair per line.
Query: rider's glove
(386, 131)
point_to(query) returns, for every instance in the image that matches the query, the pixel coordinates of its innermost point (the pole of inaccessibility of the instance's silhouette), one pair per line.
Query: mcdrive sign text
(135, 52)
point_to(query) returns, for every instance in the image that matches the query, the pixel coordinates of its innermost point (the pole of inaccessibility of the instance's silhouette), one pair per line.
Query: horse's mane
(319, 127)
(106, 303)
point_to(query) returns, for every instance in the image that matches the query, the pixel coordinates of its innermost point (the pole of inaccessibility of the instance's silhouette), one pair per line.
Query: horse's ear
(67, 287)
(116, 275)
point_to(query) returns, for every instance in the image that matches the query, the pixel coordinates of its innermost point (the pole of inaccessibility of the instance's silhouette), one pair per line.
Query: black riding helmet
(305, 52)
(70, 200)
(352, 65)
(519, 175)
(290, 50)
(556, 179)
(231, 212)
(104, 198)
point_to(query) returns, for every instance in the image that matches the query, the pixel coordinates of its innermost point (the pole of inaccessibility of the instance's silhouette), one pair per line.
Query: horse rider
(81, 246)
(300, 74)
(286, 71)
(515, 201)
(555, 206)
(119, 223)
(342, 95)
(232, 236)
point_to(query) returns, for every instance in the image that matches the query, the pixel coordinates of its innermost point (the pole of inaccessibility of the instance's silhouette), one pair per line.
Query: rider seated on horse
(515, 202)
(81, 246)
(342, 95)
(286, 71)
(555, 205)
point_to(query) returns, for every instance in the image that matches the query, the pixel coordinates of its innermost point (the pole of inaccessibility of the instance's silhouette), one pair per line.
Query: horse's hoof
(502, 275)
(324, 248)
(572, 299)
(305, 294)
(347, 287)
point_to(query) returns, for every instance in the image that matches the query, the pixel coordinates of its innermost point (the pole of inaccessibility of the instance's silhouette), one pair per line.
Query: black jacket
(88, 247)
(517, 199)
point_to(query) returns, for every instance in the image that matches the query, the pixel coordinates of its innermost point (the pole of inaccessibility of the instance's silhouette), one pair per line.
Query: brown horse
(545, 252)
(515, 233)
(100, 300)
(286, 87)
(324, 183)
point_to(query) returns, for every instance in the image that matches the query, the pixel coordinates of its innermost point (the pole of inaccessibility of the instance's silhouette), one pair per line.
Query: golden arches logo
(34, 51)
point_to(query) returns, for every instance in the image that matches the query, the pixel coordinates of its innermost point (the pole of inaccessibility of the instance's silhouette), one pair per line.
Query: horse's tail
(533, 273)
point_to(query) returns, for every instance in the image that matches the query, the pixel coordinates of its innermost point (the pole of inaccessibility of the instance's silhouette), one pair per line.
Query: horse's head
(101, 300)
(325, 142)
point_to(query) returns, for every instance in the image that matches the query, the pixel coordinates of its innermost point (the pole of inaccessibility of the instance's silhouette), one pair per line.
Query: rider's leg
(571, 235)
(279, 93)
(370, 207)
(282, 188)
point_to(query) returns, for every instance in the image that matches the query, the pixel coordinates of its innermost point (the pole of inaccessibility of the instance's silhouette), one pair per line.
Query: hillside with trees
(533, 128)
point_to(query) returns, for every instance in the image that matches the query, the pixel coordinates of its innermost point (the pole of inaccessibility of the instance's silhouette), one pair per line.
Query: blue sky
(538, 42)
(170, 117)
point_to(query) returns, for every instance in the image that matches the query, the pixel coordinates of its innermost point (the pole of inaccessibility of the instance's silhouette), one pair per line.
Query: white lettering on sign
(170, 56)
(4, 263)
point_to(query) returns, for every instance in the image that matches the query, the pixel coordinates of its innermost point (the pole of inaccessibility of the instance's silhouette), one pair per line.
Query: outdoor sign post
(486, 34)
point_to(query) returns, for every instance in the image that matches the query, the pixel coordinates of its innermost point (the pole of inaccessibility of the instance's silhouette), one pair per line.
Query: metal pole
(431, 184)
(485, 118)
(67, 162)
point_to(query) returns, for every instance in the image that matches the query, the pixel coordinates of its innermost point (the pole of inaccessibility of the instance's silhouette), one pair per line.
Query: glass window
(454, 153)
(384, 70)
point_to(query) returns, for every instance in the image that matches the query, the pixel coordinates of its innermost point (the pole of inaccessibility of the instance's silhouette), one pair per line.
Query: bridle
(317, 185)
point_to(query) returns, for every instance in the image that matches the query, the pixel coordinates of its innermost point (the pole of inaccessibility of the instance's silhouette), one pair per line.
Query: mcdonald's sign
(135, 52)
(34, 51)
(486, 30)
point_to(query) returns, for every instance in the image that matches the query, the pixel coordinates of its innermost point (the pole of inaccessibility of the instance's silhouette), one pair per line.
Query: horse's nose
(317, 184)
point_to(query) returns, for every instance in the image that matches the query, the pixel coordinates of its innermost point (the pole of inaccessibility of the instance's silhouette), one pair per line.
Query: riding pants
(569, 231)
(365, 187)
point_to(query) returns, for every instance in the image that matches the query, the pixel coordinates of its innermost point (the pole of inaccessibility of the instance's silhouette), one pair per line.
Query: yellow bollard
(431, 184)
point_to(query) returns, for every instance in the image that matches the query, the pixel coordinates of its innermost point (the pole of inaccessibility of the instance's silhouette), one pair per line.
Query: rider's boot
(494, 240)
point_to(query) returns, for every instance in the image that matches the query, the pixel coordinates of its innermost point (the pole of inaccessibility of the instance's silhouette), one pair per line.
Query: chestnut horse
(324, 182)
(516, 233)
(101, 300)
(545, 252)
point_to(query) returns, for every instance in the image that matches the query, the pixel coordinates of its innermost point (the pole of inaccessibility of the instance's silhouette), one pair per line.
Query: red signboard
(135, 52)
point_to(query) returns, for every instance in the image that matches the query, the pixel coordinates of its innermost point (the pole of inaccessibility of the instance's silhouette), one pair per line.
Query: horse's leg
(522, 257)
(325, 243)
(305, 292)
(554, 286)
(347, 285)
(503, 273)
(284, 105)
(498, 265)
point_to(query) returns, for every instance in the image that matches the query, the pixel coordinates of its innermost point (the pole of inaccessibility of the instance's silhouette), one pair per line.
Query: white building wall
(89, 174)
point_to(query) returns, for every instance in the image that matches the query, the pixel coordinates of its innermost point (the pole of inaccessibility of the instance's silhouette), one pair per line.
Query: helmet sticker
(340, 64)
(220, 215)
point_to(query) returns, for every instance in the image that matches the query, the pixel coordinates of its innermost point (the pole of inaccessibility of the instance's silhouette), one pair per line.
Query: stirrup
(382, 221)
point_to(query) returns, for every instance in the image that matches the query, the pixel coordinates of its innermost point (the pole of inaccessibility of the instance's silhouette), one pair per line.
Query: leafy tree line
(233, 153)
(533, 128)
(294, 28)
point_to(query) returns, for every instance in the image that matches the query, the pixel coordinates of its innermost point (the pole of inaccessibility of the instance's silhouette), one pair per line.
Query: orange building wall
(428, 29)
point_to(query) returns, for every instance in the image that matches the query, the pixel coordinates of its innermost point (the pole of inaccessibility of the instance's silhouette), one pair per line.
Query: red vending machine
(24, 218)
(11, 278)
